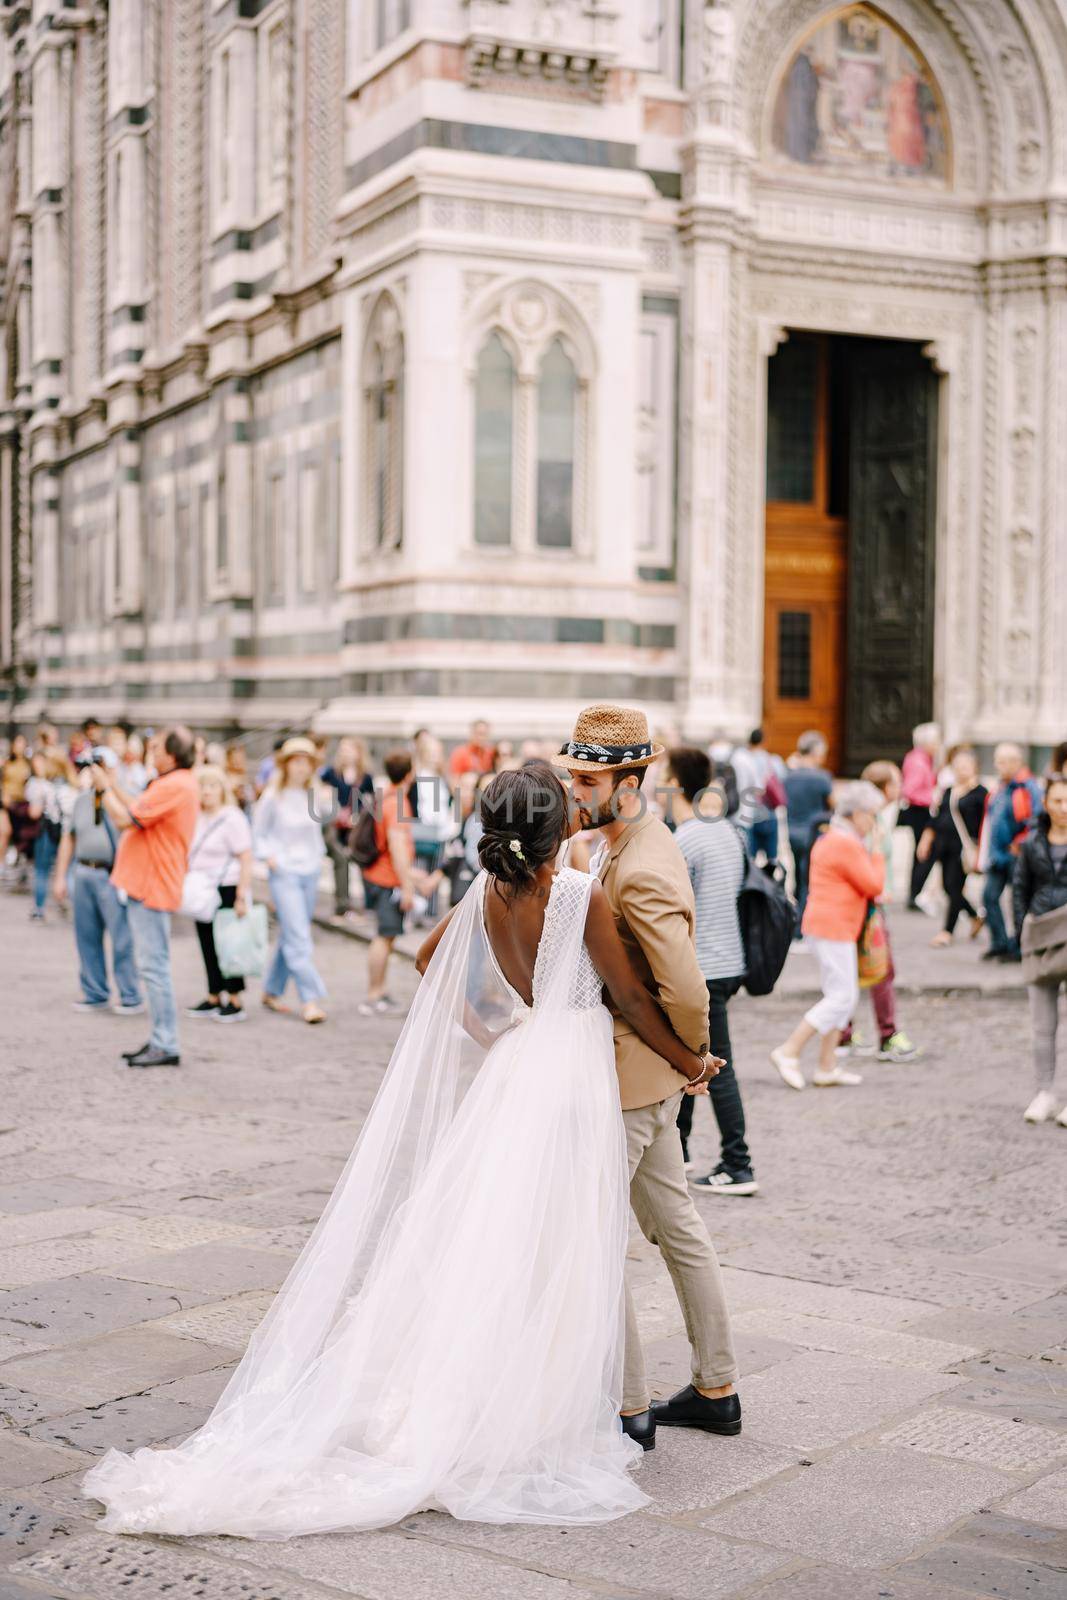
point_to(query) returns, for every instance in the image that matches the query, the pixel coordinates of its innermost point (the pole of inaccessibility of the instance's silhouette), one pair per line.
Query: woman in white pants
(843, 877)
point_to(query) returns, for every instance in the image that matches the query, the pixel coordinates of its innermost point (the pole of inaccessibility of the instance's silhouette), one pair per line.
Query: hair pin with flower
(516, 849)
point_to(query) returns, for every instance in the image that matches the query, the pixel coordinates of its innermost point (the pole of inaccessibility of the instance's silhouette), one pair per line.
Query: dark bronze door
(891, 530)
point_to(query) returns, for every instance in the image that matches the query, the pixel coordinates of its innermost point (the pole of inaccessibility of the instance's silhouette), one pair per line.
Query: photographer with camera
(86, 858)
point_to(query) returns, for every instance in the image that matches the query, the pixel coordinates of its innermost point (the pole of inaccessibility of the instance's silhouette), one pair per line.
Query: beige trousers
(668, 1218)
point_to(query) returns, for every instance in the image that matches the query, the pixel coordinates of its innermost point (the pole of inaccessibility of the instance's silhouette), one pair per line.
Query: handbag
(241, 942)
(200, 896)
(872, 948)
(969, 848)
(1044, 946)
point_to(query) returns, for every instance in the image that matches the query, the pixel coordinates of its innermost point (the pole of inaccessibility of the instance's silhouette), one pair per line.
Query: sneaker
(687, 1160)
(1061, 1120)
(135, 1008)
(383, 1007)
(36, 915)
(206, 1008)
(992, 954)
(861, 1045)
(838, 1079)
(898, 1047)
(722, 1182)
(788, 1068)
(1042, 1108)
(230, 1013)
(90, 1005)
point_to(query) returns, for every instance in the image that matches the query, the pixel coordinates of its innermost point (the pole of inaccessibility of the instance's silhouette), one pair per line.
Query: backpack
(768, 920)
(363, 837)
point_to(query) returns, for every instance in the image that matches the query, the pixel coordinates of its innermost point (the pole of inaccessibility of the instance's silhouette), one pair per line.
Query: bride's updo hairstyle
(524, 822)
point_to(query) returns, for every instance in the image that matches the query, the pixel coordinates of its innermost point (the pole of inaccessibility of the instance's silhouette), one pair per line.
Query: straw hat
(296, 747)
(607, 737)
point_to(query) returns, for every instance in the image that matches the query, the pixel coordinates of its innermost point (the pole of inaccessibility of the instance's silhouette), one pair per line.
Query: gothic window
(391, 18)
(383, 408)
(556, 410)
(494, 426)
(531, 367)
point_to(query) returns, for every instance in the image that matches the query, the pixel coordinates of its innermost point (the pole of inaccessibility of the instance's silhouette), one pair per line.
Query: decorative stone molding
(540, 46)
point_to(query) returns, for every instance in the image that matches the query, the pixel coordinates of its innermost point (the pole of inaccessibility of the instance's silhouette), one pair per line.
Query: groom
(647, 885)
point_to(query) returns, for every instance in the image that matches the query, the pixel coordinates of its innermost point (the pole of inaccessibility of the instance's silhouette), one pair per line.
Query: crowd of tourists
(121, 829)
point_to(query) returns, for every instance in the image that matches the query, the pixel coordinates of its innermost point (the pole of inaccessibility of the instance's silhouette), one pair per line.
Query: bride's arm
(431, 941)
(629, 993)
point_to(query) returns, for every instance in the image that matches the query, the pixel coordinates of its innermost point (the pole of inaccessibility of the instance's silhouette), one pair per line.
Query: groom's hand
(712, 1067)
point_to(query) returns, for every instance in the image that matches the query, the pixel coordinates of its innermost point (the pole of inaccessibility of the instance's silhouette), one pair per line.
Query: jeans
(1044, 1019)
(763, 836)
(44, 859)
(800, 845)
(337, 849)
(205, 932)
(724, 1091)
(997, 879)
(98, 910)
(293, 894)
(151, 947)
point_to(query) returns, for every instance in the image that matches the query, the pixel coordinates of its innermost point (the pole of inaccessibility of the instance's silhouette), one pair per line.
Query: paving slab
(973, 1436)
(43, 1194)
(1028, 1405)
(111, 1567)
(930, 1281)
(117, 1364)
(173, 1233)
(211, 1269)
(1044, 1501)
(863, 1507)
(847, 1338)
(689, 1471)
(1017, 1334)
(25, 1264)
(24, 1461)
(640, 1552)
(819, 1399)
(977, 1572)
(66, 1310)
(748, 1291)
(1014, 1537)
(27, 1525)
(836, 1583)
(388, 1566)
(59, 1222)
(226, 1322)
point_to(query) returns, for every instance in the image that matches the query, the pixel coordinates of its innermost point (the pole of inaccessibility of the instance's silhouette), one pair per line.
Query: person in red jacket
(843, 877)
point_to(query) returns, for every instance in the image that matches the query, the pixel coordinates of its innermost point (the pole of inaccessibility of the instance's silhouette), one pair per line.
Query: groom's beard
(595, 815)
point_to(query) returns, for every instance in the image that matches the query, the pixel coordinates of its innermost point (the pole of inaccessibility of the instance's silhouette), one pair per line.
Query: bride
(450, 1336)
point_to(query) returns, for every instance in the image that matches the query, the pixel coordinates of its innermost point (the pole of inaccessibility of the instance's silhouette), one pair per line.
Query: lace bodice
(562, 945)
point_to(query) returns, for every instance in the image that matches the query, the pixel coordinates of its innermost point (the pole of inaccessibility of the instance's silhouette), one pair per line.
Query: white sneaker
(839, 1078)
(1061, 1120)
(788, 1068)
(138, 1009)
(1042, 1108)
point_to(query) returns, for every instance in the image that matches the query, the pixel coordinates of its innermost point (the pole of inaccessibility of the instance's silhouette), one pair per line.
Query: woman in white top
(287, 835)
(222, 851)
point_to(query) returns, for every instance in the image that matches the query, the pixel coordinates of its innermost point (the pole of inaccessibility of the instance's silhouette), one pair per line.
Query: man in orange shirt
(389, 884)
(150, 865)
(476, 756)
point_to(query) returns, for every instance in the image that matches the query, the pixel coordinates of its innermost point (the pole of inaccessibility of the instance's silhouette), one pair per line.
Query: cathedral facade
(387, 363)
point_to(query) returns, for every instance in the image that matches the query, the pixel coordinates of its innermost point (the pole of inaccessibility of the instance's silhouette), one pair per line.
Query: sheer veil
(343, 1409)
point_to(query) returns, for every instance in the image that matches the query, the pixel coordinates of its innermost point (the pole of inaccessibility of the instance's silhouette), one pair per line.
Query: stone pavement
(899, 1290)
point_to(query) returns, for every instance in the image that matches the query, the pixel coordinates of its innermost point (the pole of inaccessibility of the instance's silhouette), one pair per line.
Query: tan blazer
(647, 884)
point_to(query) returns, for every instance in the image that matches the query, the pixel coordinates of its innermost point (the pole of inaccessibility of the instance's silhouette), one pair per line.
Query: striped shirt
(715, 855)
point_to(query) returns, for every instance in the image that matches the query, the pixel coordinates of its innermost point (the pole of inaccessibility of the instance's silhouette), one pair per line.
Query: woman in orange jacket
(843, 877)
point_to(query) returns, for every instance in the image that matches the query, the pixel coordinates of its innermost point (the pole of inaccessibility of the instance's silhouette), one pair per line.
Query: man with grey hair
(808, 795)
(157, 829)
(1014, 807)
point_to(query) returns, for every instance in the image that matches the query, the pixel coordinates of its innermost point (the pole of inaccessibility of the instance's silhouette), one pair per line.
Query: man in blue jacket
(1013, 809)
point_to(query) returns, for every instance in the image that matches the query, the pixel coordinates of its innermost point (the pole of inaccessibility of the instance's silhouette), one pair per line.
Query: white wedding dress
(451, 1335)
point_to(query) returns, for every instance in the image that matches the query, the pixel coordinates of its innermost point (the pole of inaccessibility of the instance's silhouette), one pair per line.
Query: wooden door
(805, 565)
(892, 475)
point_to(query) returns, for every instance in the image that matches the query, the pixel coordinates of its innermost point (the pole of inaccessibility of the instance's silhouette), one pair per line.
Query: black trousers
(216, 983)
(917, 818)
(955, 881)
(724, 1090)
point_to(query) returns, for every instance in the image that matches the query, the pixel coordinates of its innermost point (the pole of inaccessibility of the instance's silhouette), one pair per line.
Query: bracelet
(701, 1074)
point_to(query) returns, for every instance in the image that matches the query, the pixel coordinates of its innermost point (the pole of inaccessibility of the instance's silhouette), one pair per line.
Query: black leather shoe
(641, 1427)
(691, 1409)
(150, 1056)
(128, 1055)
